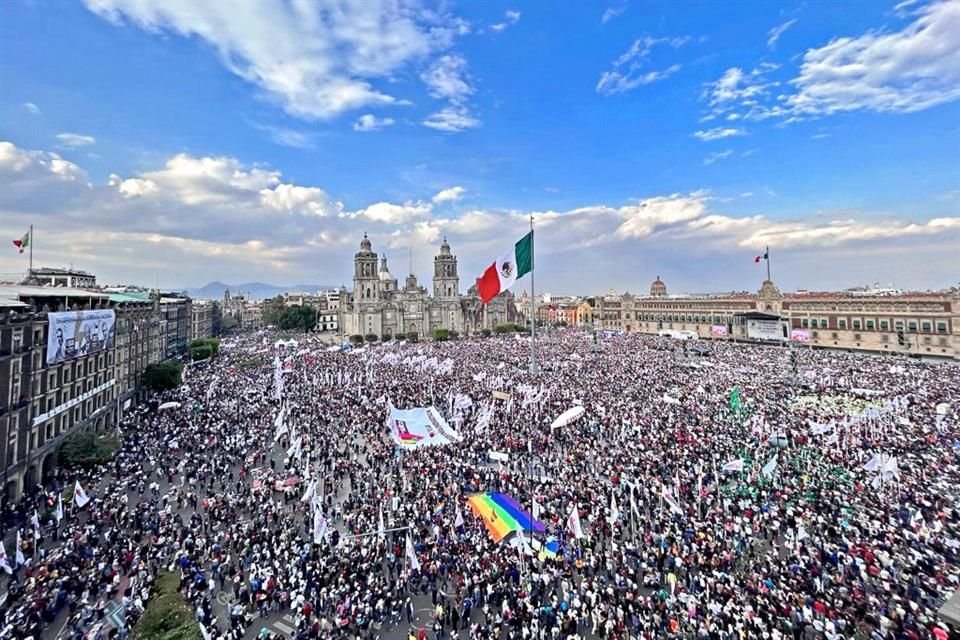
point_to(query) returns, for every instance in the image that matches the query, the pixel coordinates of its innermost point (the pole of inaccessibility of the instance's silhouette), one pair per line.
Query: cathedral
(379, 306)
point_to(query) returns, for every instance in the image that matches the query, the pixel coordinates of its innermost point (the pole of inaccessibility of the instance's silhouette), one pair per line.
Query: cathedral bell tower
(366, 281)
(446, 282)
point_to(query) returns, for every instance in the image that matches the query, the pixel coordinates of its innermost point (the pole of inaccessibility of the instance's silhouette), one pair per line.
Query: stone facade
(378, 305)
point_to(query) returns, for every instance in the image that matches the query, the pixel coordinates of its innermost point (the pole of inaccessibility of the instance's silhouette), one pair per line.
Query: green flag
(735, 400)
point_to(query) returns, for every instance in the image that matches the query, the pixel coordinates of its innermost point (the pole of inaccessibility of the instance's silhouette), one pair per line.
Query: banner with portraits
(74, 334)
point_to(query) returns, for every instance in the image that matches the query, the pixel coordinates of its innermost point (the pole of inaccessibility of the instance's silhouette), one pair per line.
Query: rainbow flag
(502, 515)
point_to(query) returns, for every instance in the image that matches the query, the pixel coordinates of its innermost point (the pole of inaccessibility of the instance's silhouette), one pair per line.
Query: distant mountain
(253, 290)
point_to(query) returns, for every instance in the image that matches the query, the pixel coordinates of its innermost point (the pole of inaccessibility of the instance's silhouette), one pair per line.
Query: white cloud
(611, 13)
(774, 34)
(452, 119)
(718, 133)
(511, 18)
(449, 195)
(317, 59)
(369, 122)
(912, 69)
(718, 155)
(37, 164)
(75, 139)
(628, 70)
(286, 137)
(447, 78)
(31, 108)
(389, 213)
(195, 219)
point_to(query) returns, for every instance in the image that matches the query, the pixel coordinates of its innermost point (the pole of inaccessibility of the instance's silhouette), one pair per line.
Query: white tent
(168, 405)
(567, 417)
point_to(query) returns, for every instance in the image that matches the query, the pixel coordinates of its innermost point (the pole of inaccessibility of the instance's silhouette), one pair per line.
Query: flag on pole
(59, 513)
(633, 505)
(412, 555)
(80, 497)
(573, 523)
(18, 555)
(381, 530)
(459, 521)
(310, 492)
(4, 561)
(770, 467)
(614, 511)
(735, 400)
(319, 527)
(669, 499)
(35, 521)
(506, 269)
(23, 242)
(765, 256)
(733, 465)
(537, 510)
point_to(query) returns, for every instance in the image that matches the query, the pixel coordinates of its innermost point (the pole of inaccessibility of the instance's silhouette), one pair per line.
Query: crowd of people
(727, 496)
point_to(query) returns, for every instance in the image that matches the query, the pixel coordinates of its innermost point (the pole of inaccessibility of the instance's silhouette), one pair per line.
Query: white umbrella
(168, 405)
(567, 417)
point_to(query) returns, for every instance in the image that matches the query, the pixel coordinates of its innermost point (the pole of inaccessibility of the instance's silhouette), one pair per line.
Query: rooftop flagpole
(30, 273)
(767, 253)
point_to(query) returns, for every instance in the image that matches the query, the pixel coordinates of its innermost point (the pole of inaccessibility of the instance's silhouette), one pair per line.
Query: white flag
(35, 519)
(4, 562)
(633, 505)
(669, 499)
(80, 497)
(412, 555)
(319, 527)
(204, 632)
(18, 556)
(537, 510)
(770, 467)
(573, 523)
(306, 470)
(614, 511)
(459, 521)
(310, 492)
(733, 465)
(59, 508)
(381, 531)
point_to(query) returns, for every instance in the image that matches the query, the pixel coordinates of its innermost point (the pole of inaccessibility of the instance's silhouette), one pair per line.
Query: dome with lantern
(658, 289)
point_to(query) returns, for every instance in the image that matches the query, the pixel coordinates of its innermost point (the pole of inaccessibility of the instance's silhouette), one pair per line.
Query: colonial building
(42, 401)
(378, 305)
(921, 324)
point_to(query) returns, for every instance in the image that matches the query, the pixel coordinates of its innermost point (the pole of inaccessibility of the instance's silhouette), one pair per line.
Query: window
(912, 325)
(927, 339)
(856, 337)
(842, 323)
(834, 335)
(927, 326)
(941, 327)
(884, 338)
(856, 323)
(813, 334)
(823, 323)
(898, 324)
(884, 325)
(943, 342)
(870, 324)
(804, 323)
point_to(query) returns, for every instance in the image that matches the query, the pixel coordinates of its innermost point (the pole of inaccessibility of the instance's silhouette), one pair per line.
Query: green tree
(441, 334)
(297, 318)
(85, 450)
(167, 615)
(356, 340)
(272, 310)
(386, 337)
(204, 348)
(370, 338)
(228, 322)
(163, 376)
(485, 333)
(413, 336)
(504, 328)
(454, 334)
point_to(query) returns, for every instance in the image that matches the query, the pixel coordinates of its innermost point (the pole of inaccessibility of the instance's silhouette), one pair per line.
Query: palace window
(941, 327)
(912, 325)
(856, 323)
(870, 324)
(884, 325)
(927, 326)
(842, 323)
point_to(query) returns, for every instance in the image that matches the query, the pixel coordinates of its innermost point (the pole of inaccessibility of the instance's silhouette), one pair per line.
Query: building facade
(51, 277)
(918, 324)
(176, 318)
(40, 403)
(201, 319)
(378, 305)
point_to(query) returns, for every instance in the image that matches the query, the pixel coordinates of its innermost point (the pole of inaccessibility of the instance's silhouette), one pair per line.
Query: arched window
(368, 292)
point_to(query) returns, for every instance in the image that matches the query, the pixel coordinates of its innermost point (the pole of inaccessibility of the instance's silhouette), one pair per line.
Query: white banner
(420, 427)
(800, 335)
(764, 329)
(719, 330)
(73, 334)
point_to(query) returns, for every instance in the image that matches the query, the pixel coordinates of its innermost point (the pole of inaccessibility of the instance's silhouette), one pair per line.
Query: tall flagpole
(30, 273)
(533, 304)
(767, 253)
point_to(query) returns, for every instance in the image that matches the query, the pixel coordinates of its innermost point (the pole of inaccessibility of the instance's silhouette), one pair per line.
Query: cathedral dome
(385, 275)
(657, 288)
(365, 244)
(445, 248)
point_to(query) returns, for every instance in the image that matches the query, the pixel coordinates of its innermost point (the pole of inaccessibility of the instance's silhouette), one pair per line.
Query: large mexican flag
(501, 275)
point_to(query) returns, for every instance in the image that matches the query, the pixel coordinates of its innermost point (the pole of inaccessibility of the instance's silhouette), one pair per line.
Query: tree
(204, 348)
(441, 334)
(84, 450)
(413, 336)
(228, 322)
(454, 334)
(504, 328)
(485, 333)
(216, 318)
(370, 338)
(356, 340)
(272, 310)
(386, 337)
(163, 376)
(297, 318)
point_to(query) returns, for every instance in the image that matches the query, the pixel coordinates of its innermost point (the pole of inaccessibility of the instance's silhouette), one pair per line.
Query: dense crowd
(721, 496)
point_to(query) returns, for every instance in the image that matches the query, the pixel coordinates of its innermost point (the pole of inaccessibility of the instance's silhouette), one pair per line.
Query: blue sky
(241, 141)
